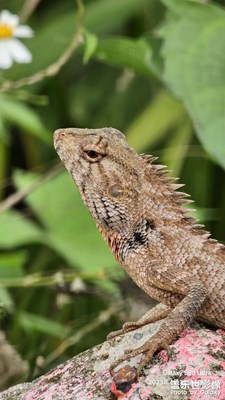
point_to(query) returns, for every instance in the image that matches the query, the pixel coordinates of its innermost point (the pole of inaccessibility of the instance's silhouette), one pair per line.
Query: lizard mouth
(57, 137)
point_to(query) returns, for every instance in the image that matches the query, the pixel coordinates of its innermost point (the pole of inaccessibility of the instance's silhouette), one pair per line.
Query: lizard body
(138, 212)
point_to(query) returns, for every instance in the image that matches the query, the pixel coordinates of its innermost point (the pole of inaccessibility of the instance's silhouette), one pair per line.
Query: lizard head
(105, 171)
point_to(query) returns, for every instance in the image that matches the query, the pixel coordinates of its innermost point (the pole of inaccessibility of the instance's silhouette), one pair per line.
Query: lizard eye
(92, 154)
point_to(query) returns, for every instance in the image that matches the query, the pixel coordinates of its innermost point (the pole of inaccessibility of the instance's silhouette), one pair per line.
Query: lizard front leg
(156, 313)
(178, 319)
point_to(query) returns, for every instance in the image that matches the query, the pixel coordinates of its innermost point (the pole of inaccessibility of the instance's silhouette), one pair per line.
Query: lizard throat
(108, 214)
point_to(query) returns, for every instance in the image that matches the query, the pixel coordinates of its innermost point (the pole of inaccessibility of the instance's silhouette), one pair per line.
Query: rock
(195, 370)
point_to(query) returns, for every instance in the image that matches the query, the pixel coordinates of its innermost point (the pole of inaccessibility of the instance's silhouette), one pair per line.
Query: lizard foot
(149, 348)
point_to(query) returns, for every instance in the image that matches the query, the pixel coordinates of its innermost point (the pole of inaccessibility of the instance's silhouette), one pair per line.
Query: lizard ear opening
(115, 191)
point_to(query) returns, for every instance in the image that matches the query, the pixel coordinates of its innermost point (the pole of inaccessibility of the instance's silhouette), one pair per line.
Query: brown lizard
(138, 212)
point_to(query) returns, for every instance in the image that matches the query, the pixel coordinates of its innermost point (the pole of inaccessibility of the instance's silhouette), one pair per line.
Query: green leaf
(11, 264)
(3, 156)
(174, 154)
(150, 127)
(107, 15)
(36, 323)
(126, 53)
(3, 130)
(15, 230)
(6, 302)
(70, 229)
(91, 43)
(194, 52)
(189, 8)
(23, 116)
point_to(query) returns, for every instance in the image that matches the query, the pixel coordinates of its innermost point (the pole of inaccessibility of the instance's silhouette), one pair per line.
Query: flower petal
(19, 52)
(23, 31)
(5, 59)
(9, 19)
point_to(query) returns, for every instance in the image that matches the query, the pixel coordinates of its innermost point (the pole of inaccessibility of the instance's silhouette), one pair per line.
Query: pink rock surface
(195, 370)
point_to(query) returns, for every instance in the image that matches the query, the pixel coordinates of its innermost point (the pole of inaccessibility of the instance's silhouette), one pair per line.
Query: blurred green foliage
(153, 69)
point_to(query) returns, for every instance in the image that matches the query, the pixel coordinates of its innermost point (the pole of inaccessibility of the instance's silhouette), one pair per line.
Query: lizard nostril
(59, 133)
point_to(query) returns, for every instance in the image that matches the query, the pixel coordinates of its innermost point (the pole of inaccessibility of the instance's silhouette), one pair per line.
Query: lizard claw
(127, 327)
(114, 334)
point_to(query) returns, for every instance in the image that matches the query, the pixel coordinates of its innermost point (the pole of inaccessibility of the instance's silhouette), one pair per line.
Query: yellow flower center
(5, 32)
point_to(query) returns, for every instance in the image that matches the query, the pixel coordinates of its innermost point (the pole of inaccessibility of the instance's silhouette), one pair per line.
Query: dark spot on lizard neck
(140, 234)
(150, 224)
(138, 237)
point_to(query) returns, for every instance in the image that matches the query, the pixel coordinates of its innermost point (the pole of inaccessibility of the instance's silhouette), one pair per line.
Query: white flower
(11, 49)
